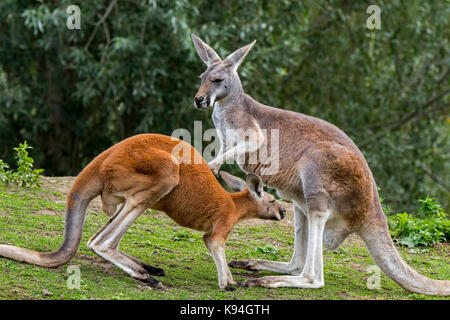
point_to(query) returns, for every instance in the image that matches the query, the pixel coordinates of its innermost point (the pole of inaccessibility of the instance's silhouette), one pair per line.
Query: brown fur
(139, 173)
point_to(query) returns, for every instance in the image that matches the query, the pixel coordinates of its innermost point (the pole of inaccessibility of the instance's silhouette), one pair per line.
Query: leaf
(268, 249)
(407, 241)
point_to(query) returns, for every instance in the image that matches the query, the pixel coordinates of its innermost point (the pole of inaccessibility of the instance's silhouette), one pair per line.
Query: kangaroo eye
(217, 80)
(272, 201)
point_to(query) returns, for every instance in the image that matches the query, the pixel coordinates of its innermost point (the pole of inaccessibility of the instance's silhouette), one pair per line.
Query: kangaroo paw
(230, 288)
(153, 270)
(254, 283)
(241, 264)
(152, 282)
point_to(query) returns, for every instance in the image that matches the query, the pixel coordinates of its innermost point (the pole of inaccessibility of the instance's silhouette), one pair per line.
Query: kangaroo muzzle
(201, 102)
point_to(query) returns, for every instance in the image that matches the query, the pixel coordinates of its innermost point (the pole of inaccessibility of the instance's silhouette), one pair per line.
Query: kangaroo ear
(255, 185)
(205, 52)
(236, 184)
(235, 59)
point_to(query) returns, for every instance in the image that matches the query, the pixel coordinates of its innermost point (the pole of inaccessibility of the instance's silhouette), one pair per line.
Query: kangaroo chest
(220, 123)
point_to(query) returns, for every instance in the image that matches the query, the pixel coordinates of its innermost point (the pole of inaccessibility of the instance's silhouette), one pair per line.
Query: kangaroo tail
(83, 191)
(381, 248)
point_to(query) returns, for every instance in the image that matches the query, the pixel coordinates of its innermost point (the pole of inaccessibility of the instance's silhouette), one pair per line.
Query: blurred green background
(132, 68)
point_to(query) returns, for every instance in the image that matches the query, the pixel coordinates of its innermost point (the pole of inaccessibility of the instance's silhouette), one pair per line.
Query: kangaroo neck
(234, 98)
(225, 109)
(241, 201)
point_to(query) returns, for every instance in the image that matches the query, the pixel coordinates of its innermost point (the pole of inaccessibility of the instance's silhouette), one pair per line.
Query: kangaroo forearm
(234, 153)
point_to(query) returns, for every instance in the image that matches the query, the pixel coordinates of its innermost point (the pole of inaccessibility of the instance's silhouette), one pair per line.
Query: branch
(108, 11)
(436, 179)
(108, 42)
(143, 28)
(418, 111)
(444, 75)
(400, 123)
(158, 247)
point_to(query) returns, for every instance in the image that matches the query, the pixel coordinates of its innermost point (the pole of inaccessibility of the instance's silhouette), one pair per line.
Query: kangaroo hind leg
(295, 266)
(312, 273)
(112, 203)
(147, 191)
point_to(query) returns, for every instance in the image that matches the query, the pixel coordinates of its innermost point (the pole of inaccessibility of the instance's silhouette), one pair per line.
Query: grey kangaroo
(320, 169)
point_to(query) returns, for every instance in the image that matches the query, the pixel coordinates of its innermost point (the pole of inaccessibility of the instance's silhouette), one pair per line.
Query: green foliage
(184, 235)
(5, 174)
(25, 175)
(386, 208)
(267, 249)
(412, 231)
(430, 208)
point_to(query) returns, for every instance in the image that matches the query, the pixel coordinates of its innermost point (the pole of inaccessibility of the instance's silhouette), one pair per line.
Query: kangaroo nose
(199, 100)
(282, 212)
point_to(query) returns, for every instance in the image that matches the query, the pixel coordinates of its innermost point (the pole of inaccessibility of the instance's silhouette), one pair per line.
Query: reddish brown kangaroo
(320, 169)
(143, 172)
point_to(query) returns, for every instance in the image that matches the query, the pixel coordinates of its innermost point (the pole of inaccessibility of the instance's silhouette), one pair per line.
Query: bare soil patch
(62, 185)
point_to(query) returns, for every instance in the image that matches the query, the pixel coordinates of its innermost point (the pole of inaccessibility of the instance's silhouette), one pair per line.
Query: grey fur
(320, 169)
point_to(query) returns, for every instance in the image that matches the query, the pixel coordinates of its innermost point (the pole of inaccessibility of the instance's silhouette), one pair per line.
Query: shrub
(5, 175)
(429, 228)
(25, 175)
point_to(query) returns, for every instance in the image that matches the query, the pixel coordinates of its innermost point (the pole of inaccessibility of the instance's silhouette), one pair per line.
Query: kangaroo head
(257, 203)
(220, 81)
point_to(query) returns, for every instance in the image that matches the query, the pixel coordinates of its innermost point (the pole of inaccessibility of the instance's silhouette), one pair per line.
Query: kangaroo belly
(335, 232)
(185, 218)
(284, 178)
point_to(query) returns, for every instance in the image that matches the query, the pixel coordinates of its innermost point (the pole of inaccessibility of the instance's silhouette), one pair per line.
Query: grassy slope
(34, 218)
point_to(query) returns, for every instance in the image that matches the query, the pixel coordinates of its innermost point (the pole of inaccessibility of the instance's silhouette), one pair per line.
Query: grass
(34, 218)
